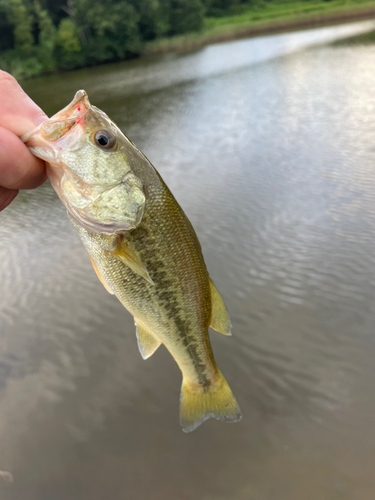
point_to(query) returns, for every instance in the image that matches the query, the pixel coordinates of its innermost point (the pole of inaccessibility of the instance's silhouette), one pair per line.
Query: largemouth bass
(142, 246)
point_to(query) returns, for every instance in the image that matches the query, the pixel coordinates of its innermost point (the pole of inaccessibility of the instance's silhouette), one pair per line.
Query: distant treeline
(40, 36)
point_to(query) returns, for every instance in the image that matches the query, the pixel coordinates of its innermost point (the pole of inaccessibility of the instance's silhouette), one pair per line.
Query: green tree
(47, 38)
(69, 52)
(6, 29)
(55, 9)
(149, 18)
(22, 21)
(186, 16)
(111, 29)
(67, 36)
(220, 7)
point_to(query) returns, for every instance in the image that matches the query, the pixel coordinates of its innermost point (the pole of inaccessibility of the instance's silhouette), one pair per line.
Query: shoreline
(228, 32)
(236, 30)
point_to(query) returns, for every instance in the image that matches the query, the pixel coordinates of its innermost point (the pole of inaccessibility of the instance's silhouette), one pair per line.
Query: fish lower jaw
(44, 153)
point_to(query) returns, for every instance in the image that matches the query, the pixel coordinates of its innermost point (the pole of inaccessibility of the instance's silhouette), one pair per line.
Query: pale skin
(19, 169)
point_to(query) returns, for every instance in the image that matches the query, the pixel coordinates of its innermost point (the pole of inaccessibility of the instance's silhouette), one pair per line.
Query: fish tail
(198, 403)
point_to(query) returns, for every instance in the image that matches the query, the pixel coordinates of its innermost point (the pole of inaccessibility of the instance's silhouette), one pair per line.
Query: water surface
(269, 146)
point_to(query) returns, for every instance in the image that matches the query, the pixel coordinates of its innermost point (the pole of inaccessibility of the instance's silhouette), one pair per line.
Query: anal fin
(100, 276)
(147, 343)
(220, 320)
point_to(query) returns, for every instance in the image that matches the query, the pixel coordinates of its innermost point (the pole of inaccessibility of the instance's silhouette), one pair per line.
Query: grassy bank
(265, 18)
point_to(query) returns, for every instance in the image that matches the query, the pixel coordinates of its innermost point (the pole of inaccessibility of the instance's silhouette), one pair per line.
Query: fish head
(90, 167)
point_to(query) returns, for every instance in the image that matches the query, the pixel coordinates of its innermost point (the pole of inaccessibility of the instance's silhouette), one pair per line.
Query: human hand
(19, 169)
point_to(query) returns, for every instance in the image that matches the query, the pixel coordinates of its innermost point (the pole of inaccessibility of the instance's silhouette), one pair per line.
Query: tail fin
(198, 403)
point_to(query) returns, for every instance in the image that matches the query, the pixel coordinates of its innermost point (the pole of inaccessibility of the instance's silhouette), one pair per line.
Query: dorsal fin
(147, 343)
(220, 320)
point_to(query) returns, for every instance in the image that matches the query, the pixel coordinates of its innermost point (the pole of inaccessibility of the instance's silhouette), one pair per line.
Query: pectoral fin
(100, 276)
(220, 320)
(147, 343)
(130, 258)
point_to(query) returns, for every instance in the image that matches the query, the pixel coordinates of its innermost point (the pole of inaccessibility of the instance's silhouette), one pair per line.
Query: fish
(142, 247)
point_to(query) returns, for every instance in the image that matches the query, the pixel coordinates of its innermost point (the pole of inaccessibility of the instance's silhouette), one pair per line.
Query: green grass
(281, 10)
(261, 14)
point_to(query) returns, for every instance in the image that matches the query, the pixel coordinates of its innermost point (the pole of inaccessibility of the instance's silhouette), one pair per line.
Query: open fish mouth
(69, 117)
(52, 135)
(62, 122)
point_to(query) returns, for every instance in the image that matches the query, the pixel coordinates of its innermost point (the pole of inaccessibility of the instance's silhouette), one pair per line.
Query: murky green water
(269, 146)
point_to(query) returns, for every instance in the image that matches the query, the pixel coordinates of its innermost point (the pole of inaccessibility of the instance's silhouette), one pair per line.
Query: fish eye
(105, 139)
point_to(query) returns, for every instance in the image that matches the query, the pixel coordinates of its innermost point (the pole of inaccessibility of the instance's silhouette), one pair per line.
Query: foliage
(67, 37)
(47, 38)
(68, 49)
(21, 21)
(185, 16)
(220, 7)
(39, 36)
(111, 29)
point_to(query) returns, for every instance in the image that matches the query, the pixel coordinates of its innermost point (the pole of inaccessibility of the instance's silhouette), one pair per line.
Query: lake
(268, 144)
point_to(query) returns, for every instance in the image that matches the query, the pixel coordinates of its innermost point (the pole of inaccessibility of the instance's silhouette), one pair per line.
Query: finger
(19, 169)
(6, 197)
(18, 112)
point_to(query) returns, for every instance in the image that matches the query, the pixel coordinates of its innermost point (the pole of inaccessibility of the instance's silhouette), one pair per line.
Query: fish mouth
(52, 135)
(76, 109)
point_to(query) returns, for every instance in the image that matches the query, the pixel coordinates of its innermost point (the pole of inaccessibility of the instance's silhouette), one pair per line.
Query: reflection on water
(270, 151)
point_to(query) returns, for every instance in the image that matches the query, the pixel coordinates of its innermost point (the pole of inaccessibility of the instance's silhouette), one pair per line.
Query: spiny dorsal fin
(131, 258)
(220, 320)
(100, 276)
(147, 343)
